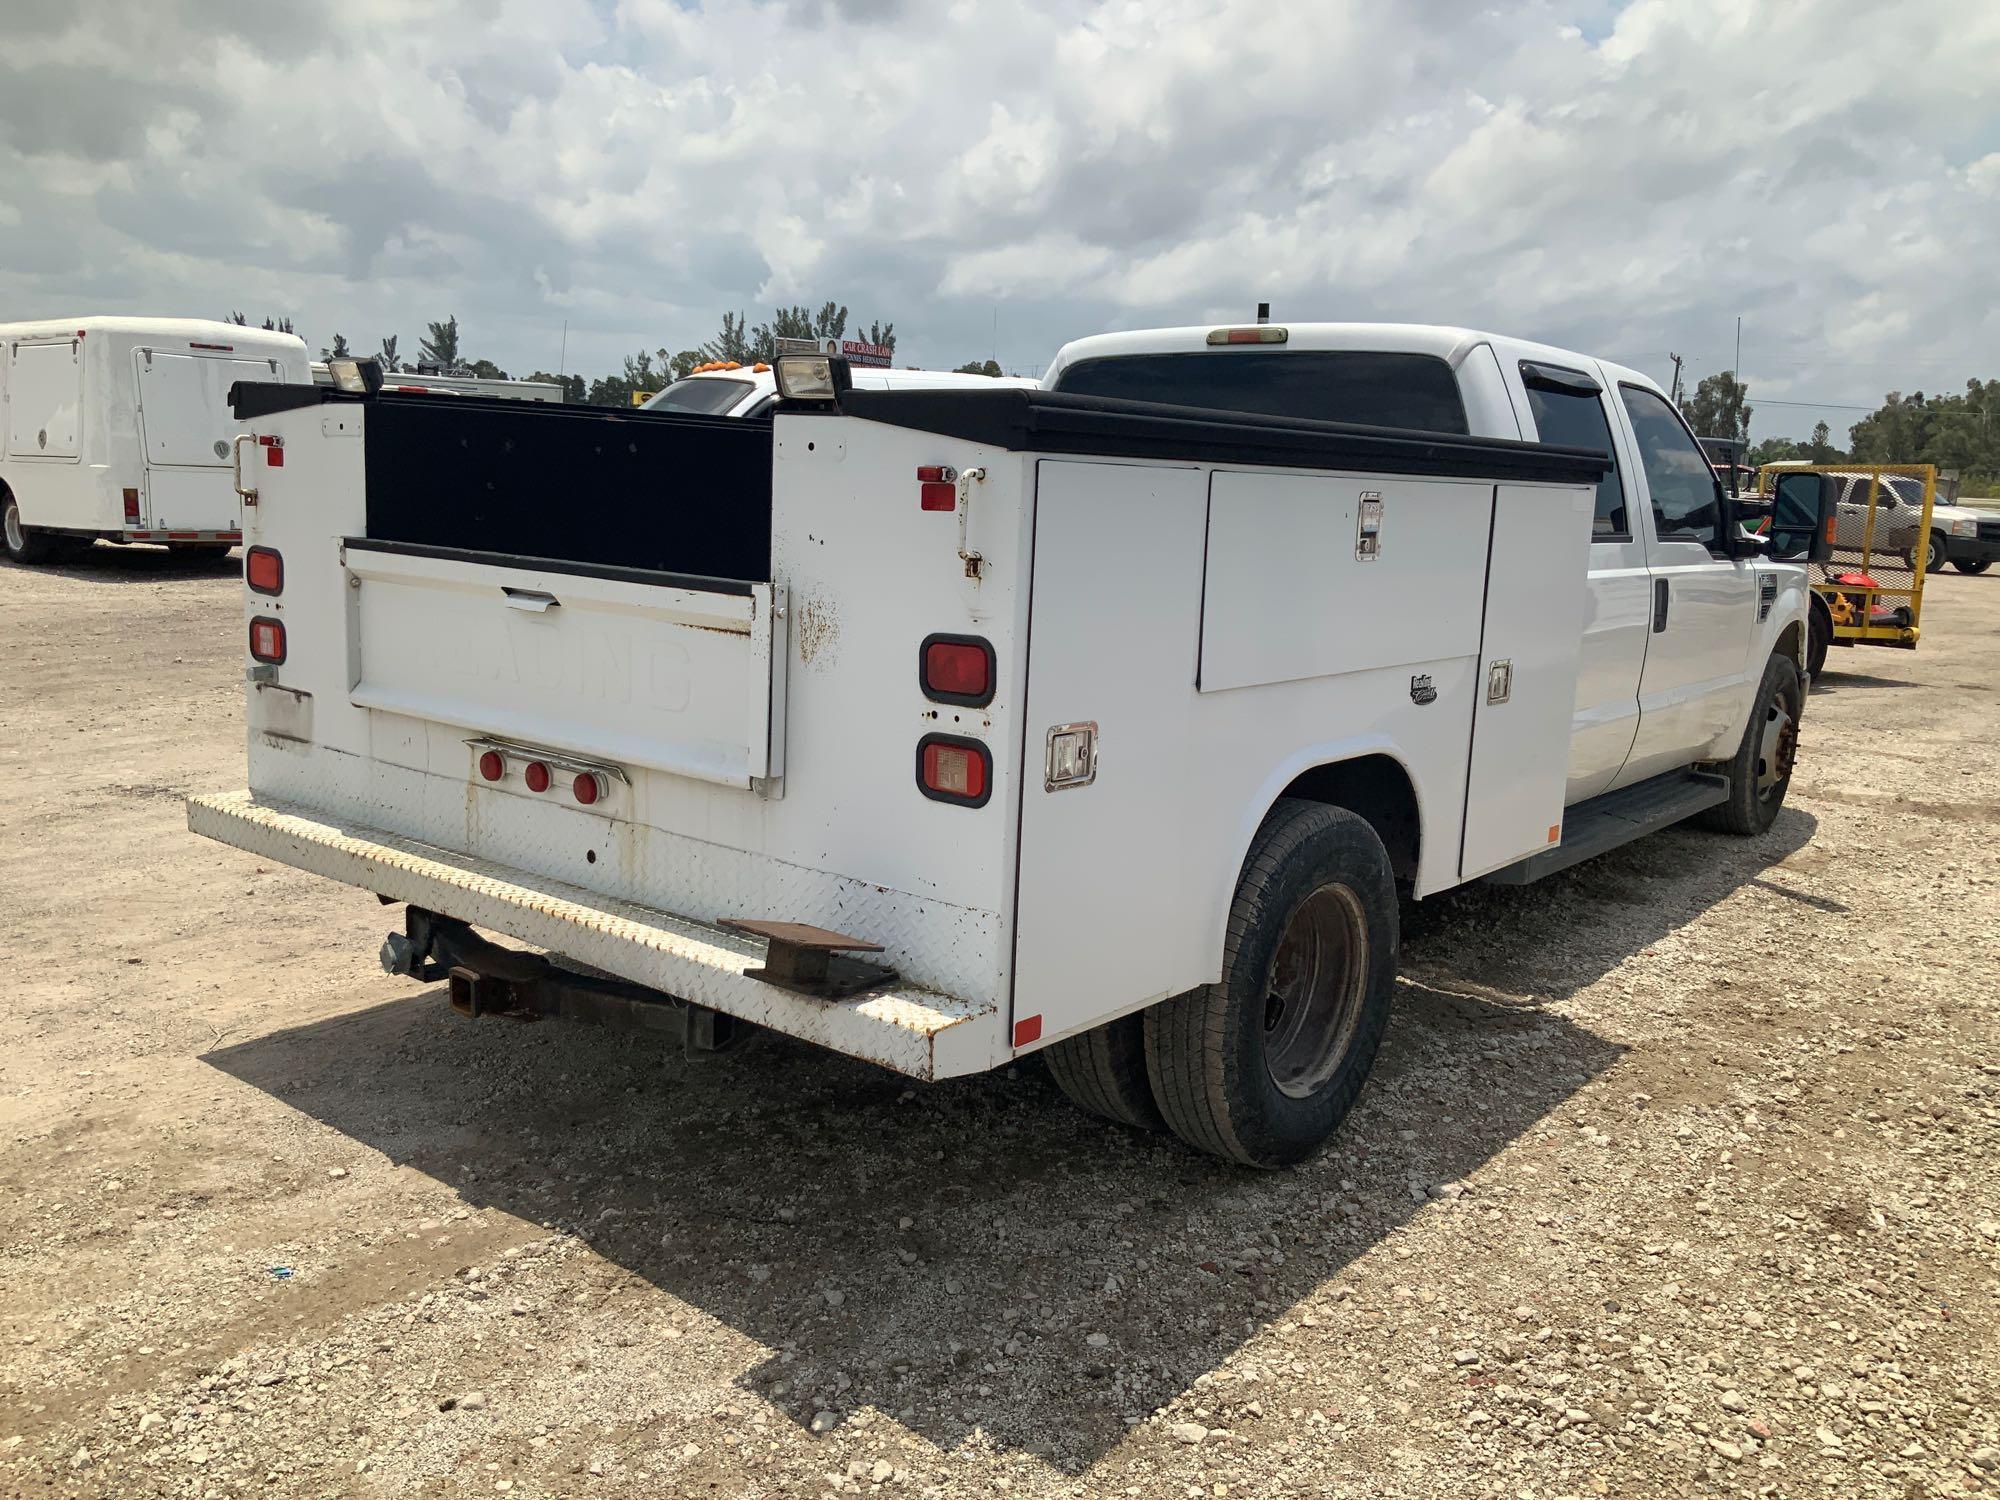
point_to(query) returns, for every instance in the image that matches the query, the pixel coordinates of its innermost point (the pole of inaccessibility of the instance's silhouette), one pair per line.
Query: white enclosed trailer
(1098, 726)
(120, 428)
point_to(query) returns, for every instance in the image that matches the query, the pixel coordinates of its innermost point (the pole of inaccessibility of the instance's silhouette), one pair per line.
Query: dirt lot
(1677, 1175)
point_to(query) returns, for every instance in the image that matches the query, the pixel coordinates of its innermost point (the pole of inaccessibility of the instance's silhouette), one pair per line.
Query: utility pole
(1674, 391)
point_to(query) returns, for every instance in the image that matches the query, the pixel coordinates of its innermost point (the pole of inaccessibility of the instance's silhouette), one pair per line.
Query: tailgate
(652, 670)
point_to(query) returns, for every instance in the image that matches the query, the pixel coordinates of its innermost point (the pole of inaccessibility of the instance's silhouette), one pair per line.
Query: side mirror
(1802, 512)
(1742, 525)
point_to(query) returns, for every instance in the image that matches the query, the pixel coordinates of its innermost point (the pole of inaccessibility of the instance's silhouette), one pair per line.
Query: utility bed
(1001, 683)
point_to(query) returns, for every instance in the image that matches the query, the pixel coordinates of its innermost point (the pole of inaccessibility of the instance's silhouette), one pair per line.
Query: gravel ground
(1677, 1174)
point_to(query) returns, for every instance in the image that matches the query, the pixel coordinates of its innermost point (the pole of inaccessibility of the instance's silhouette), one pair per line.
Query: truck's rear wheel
(1972, 565)
(24, 544)
(1262, 1067)
(1761, 769)
(1103, 1071)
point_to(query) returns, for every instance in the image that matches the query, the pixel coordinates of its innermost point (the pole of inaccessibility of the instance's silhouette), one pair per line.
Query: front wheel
(24, 544)
(1761, 769)
(1936, 554)
(1262, 1067)
(1968, 565)
(1819, 635)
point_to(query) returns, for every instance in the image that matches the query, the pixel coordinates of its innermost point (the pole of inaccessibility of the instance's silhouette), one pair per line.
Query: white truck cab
(944, 726)
(120, 428)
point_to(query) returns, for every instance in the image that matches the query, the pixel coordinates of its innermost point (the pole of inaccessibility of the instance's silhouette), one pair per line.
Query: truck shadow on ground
(977, 1256)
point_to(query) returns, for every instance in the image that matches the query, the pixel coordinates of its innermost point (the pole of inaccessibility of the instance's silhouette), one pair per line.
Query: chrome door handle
(249, 496)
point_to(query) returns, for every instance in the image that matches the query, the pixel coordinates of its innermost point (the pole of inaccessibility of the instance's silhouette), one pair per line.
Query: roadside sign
(859, 353)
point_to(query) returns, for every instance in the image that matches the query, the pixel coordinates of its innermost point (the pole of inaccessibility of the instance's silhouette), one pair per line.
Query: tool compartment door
(1115, 640)
(1537, 592)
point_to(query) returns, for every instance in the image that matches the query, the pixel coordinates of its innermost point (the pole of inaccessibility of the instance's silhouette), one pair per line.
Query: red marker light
(492, 765)
(956, 669)
(264, 571)
(586, 789)
(537, 776)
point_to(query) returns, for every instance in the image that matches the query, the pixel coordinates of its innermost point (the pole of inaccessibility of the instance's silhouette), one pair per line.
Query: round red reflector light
(491, 766)
(537, 776)
(586, 788)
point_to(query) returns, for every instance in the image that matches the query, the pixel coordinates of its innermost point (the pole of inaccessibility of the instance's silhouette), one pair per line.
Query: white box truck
(120, 428)
(941, 727)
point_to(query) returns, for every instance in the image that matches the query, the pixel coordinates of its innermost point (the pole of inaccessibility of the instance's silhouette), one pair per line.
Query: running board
(1603, 823)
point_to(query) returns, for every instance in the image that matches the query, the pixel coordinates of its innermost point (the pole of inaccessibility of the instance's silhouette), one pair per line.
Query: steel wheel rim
(1312, 1004)
(17, 539)
(1776, 748)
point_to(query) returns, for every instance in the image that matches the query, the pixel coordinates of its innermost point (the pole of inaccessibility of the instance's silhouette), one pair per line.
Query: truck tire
(1935, 553)
(25, 544)
(1968, 565)
(1761, 769)
(1819, 635)
(1103, 1072)
(1263, 1066)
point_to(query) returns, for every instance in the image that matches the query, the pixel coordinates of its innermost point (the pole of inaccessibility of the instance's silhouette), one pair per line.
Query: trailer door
(184, 405)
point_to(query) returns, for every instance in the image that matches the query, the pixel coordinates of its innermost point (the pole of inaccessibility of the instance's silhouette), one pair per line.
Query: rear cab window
(1374, 389)
(1568, 407)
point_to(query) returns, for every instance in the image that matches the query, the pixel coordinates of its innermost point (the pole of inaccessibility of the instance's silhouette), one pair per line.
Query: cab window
(1568, 407)
(1681, 484)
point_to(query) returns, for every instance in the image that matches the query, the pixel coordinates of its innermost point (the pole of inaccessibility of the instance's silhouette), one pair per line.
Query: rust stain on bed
(818, 631)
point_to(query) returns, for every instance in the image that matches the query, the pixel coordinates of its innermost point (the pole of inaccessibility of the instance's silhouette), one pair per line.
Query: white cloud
(1629, 180)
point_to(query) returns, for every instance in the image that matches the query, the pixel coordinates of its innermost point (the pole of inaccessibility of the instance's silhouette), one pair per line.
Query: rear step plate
(918, 1032)
(1603, 823)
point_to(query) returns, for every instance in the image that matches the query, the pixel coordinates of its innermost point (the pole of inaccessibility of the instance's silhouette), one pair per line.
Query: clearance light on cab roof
(1263, 333)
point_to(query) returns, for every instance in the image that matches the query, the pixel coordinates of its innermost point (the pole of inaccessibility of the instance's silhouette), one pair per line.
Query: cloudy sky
(998, 177)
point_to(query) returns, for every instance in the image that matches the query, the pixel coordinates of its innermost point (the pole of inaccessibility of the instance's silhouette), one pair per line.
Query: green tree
(1959, 432)
(1819, 449)
(746, 345)
(641, 375)
(485, 369)
(390, 364)
(270, 325)
(1719, 407)
(979, 367)
(573, 387)
(338, 350)
(440, 344)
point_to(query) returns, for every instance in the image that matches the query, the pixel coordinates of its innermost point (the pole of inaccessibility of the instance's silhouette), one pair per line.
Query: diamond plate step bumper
(918, 1032)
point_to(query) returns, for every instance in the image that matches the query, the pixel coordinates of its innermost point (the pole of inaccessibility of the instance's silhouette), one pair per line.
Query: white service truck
(941, 727)
(120, 428)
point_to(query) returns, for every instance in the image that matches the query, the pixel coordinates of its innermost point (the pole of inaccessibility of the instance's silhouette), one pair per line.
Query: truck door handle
(534, 601)
(1659, 604)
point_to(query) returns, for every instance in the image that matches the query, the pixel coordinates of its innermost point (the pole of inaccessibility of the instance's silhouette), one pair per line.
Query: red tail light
(492, 765)
(264, 571)
(956, 669)
(274, 450)
(267, 640)
(586, 788)
(951, 769)
(537, 776)
(131, 507)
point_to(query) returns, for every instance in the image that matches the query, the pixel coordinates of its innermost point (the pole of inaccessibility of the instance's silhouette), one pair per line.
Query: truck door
(45, 403)
(1703, 605)
(1568, 408)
